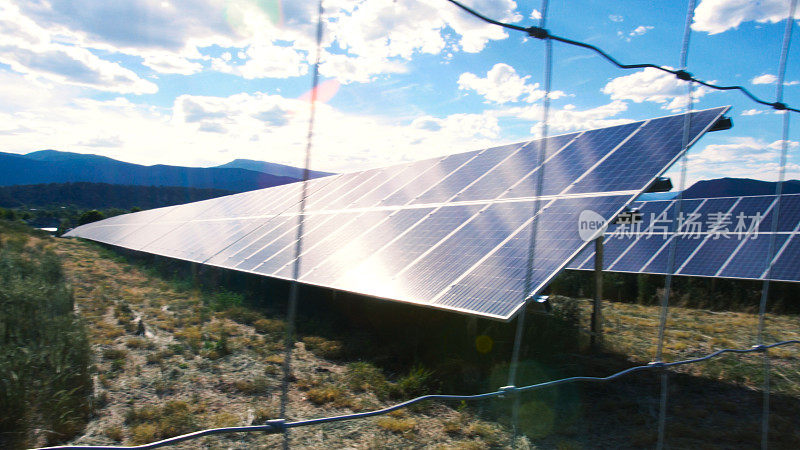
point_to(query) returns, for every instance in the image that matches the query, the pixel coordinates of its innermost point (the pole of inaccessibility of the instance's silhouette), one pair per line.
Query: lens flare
(325, 91)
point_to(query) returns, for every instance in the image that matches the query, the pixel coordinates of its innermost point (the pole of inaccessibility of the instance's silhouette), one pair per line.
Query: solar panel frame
(407, 203)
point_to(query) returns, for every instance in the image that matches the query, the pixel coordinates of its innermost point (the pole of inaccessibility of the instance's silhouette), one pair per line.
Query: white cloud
(163, 62)
(349, 69)
(716, 16)
(264, 60)
(30, 49)
(765, 79)
(652, 85)
(207, 129)
(752, 112)
(615, 18)
(173, 37)
(503, 85)
(771, 79)
(568, 118)
(640, 30)
(536, 14)
(742, 157)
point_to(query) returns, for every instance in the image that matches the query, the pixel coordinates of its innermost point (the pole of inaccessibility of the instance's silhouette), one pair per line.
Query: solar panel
(450, 232)
(731, 241)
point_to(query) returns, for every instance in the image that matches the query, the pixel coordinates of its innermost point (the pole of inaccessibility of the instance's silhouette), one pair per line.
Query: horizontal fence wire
(542, 33)
(280, 425)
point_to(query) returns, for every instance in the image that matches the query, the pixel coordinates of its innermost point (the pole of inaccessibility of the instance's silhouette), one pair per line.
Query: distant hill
(51, 166)
(731, 187)
(272, 168)
(101, 195)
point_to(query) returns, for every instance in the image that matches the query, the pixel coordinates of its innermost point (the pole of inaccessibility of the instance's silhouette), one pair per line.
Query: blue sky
(203, 82)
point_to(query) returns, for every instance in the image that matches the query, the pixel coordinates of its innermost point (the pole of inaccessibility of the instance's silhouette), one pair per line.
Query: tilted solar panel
(450, 232)
(725, 237)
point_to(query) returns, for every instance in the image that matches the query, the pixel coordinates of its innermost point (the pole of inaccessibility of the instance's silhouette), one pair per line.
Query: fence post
(597, 306)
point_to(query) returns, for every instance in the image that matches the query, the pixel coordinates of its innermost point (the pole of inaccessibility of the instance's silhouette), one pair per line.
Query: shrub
(323, 348)
(269, 326)
(225, 300)
(397, 425)
(414, 384)
(45, 380)
(90, 216)
(243, 315)
(256, 386)
(153, 422)
(325, 394)
(138, 343)
(114, 432)
(115, 353)
(365, 377)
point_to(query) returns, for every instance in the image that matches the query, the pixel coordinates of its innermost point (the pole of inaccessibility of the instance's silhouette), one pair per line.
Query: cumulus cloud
(717, 16)
(752, 112)
(173, 37)
(765, 79)
(503, 85)
(32, 50)
(768, 78)
(567, 118)
(199, 129)
(348, 69)
(264, 60)
(652, 85)
(616, 18)
(640, 30)
(744, 157)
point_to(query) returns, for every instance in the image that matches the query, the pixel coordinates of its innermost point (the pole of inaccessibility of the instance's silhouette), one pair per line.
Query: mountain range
(734, 187)
(52, 166)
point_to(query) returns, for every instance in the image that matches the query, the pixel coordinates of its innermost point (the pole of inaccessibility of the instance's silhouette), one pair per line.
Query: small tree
(90, 216)
(63, 227)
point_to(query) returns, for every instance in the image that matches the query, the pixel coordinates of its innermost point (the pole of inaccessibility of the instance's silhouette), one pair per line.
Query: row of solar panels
(449, 232)
(725, 237)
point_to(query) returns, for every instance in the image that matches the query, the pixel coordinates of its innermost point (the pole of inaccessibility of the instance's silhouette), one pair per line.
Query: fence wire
(512, 391)
(280, 425)
(542, 33)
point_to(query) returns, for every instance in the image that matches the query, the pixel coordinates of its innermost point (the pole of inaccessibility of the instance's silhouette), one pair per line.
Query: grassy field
(171, 358)
(631, 330)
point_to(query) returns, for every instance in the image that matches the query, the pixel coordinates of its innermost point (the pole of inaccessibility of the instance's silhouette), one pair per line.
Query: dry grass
(397, 425)
(198, 367)
(631, 329)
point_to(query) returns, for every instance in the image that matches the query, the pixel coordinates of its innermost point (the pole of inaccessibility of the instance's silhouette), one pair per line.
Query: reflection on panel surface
(452, 232)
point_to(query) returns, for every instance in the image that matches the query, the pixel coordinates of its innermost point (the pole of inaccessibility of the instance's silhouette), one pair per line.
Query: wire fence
(281, 425)
(511, 391)
(542, 33)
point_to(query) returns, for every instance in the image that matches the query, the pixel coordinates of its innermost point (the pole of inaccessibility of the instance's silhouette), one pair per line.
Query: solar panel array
(725, 237)
(450, 232)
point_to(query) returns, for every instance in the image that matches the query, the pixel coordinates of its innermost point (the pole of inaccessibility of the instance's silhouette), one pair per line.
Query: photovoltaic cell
(739, 249)
(450, 232)
(511, 170)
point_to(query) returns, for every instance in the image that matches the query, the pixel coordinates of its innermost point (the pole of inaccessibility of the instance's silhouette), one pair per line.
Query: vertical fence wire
(664, 311)
(762, 307)
(298, 248)
(541, 157)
